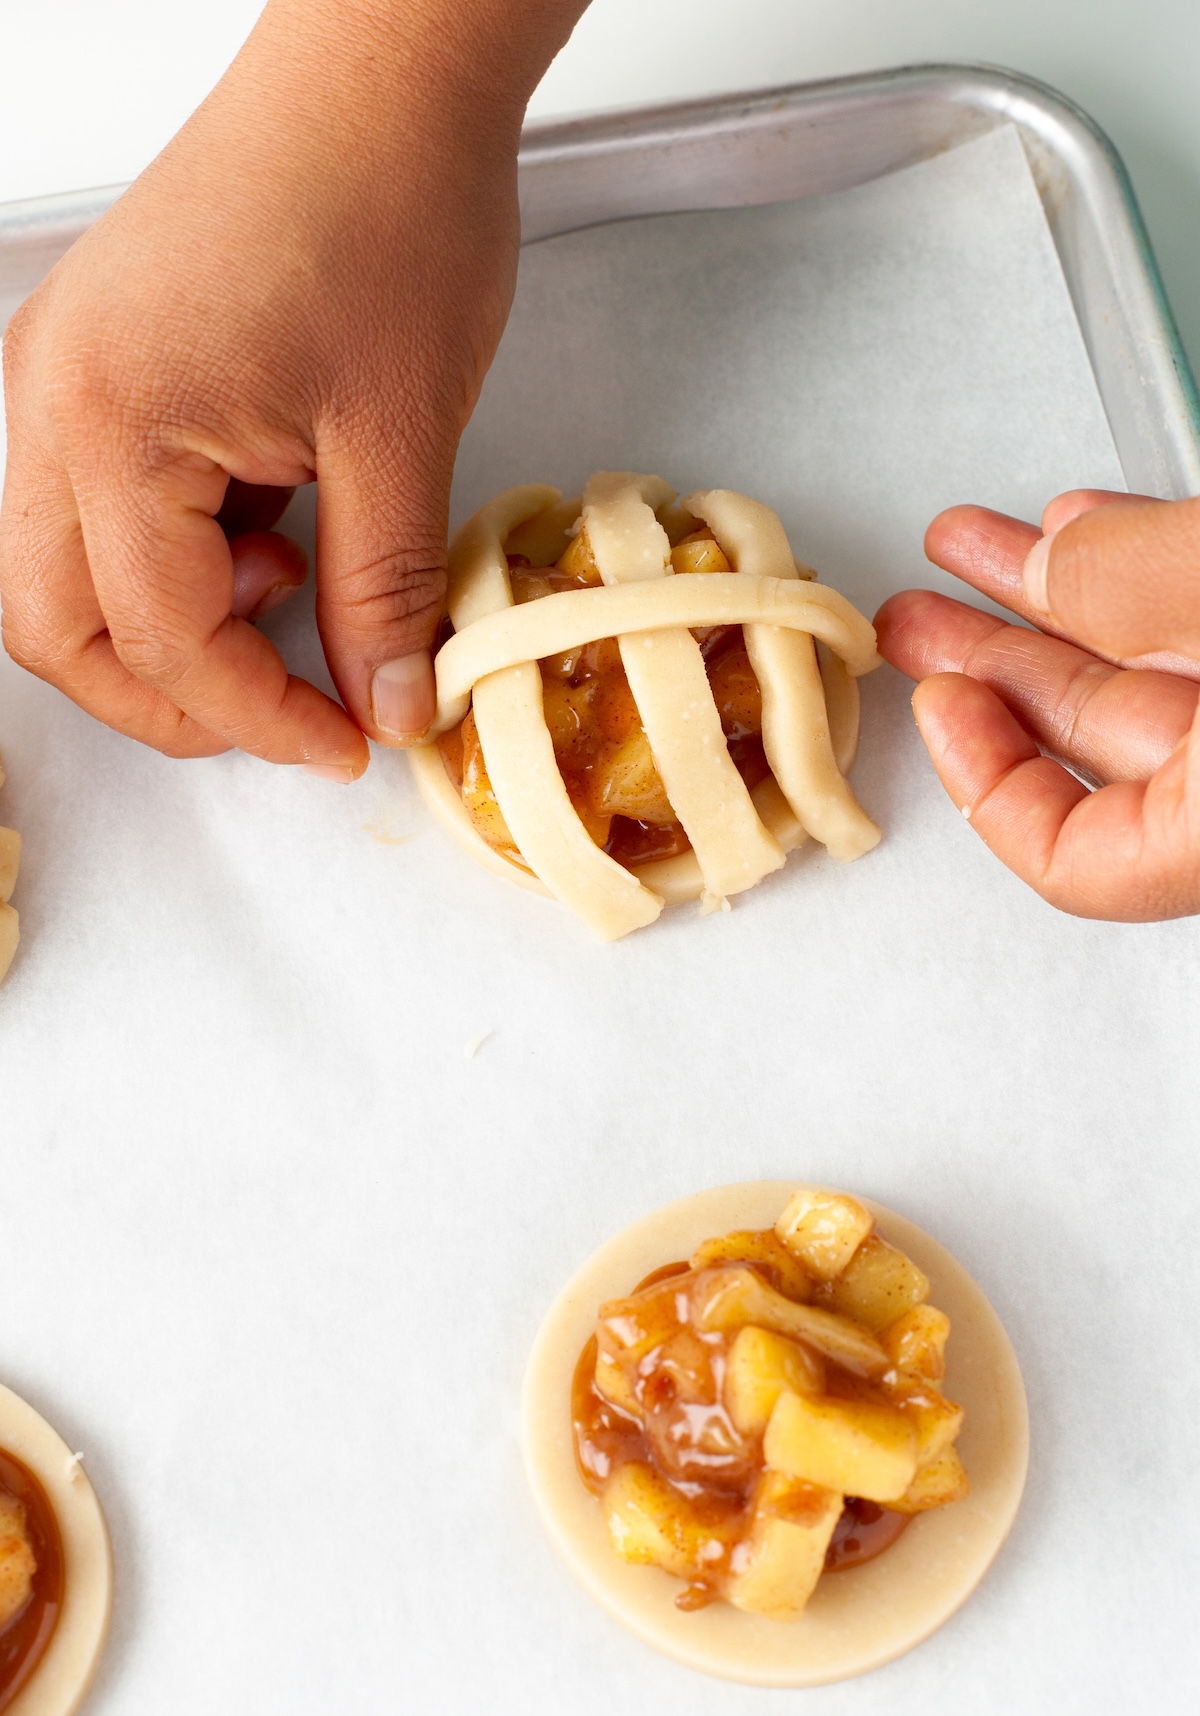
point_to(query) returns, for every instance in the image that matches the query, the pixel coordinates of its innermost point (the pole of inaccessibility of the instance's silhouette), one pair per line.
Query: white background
(91, 89)
(236, 1078)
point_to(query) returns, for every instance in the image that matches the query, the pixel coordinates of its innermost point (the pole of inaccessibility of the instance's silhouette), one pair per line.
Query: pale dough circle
(63, 1677)
(858, 1619)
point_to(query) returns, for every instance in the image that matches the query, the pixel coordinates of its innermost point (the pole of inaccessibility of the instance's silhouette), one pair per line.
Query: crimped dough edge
(859, 1619)
(64, 1676)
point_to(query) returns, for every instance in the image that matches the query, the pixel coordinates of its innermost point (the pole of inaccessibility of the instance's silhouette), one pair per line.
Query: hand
(1108, 683)
(310, 281)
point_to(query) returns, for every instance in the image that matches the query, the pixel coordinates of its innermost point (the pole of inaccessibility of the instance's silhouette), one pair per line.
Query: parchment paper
(274, 1248)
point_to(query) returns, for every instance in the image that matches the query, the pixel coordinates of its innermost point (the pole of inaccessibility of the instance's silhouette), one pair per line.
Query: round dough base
(859, 1619)
(63, 1677)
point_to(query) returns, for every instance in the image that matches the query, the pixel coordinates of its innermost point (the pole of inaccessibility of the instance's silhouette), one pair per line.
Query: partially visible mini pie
(739, 1434)
(10, 858)
(55, 1569)
(644, 700)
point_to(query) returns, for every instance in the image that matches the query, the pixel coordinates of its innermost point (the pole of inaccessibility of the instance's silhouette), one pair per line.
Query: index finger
(988, 550)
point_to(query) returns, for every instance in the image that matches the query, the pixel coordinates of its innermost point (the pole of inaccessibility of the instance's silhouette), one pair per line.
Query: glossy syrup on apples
(23, 1642)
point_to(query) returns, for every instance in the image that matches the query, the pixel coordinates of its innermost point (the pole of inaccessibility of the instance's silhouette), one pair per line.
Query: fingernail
(342, 773)
(404, 696)
(274, 598)
(1036, 574)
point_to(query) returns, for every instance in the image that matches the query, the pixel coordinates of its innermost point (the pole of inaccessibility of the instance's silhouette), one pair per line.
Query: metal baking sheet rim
(813, 138)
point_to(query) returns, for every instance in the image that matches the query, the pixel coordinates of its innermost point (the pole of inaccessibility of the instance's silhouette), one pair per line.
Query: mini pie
(10, 858)
(643, 700)
(740, 1501)
(55, 1569)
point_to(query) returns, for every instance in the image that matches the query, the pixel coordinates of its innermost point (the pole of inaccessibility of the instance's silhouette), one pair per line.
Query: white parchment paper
(273, 1248)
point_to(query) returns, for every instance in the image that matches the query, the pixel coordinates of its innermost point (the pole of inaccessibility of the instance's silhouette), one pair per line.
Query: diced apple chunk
(778, 1562)
(699, 552)
(577, 558)
(936, 1420)
(625, 782)
(650, 1523)
(628, 1329)
(761, 1364)
(17, 1561)
(917, 1341)
(824, 1230)
(731, 1298)
(764, 1248)
(478, 794)
(852, 1446)
(943, 1480)
(614, 1385)
(878, 1284)
(542, 538)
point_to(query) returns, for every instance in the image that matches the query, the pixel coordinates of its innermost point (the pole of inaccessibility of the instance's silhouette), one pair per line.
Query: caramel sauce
(661, 1274)
(864, 1531)
(631, 842)
(595, 729)
(24, 1640)
(684, 1433)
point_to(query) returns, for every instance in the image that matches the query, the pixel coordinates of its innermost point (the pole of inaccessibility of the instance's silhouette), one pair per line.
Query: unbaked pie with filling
(778, 1432)
(643, 700)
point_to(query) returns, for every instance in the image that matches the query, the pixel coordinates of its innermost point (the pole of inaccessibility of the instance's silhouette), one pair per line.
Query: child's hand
(311, 280)
(1120, 576)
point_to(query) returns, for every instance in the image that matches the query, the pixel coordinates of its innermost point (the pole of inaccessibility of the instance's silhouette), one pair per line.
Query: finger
(1115, 724)
(251, 507)
(1122, 580)
(988, 550)
(163, 575)
(985, 549)
(267, 569)
(381, 589)
(1063, 508)
(53, 625)
(1120, 853)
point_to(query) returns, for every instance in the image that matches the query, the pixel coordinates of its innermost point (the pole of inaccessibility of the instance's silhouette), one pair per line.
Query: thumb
(381, 585)
(1123, 581)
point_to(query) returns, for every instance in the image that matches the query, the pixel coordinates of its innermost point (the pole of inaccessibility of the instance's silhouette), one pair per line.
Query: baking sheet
(274, 1247)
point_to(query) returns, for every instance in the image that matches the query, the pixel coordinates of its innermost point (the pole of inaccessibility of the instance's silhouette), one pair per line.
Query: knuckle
(150, 654)
(101, 385)
(79, 391)
(393, 593)
(1085, 680)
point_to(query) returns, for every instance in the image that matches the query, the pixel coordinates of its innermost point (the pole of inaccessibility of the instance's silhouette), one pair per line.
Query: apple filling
(599, 742)
(768, 1411)
(31, 1575)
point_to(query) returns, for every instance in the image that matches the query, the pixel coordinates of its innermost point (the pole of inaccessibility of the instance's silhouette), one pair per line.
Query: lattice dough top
(617, 709)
